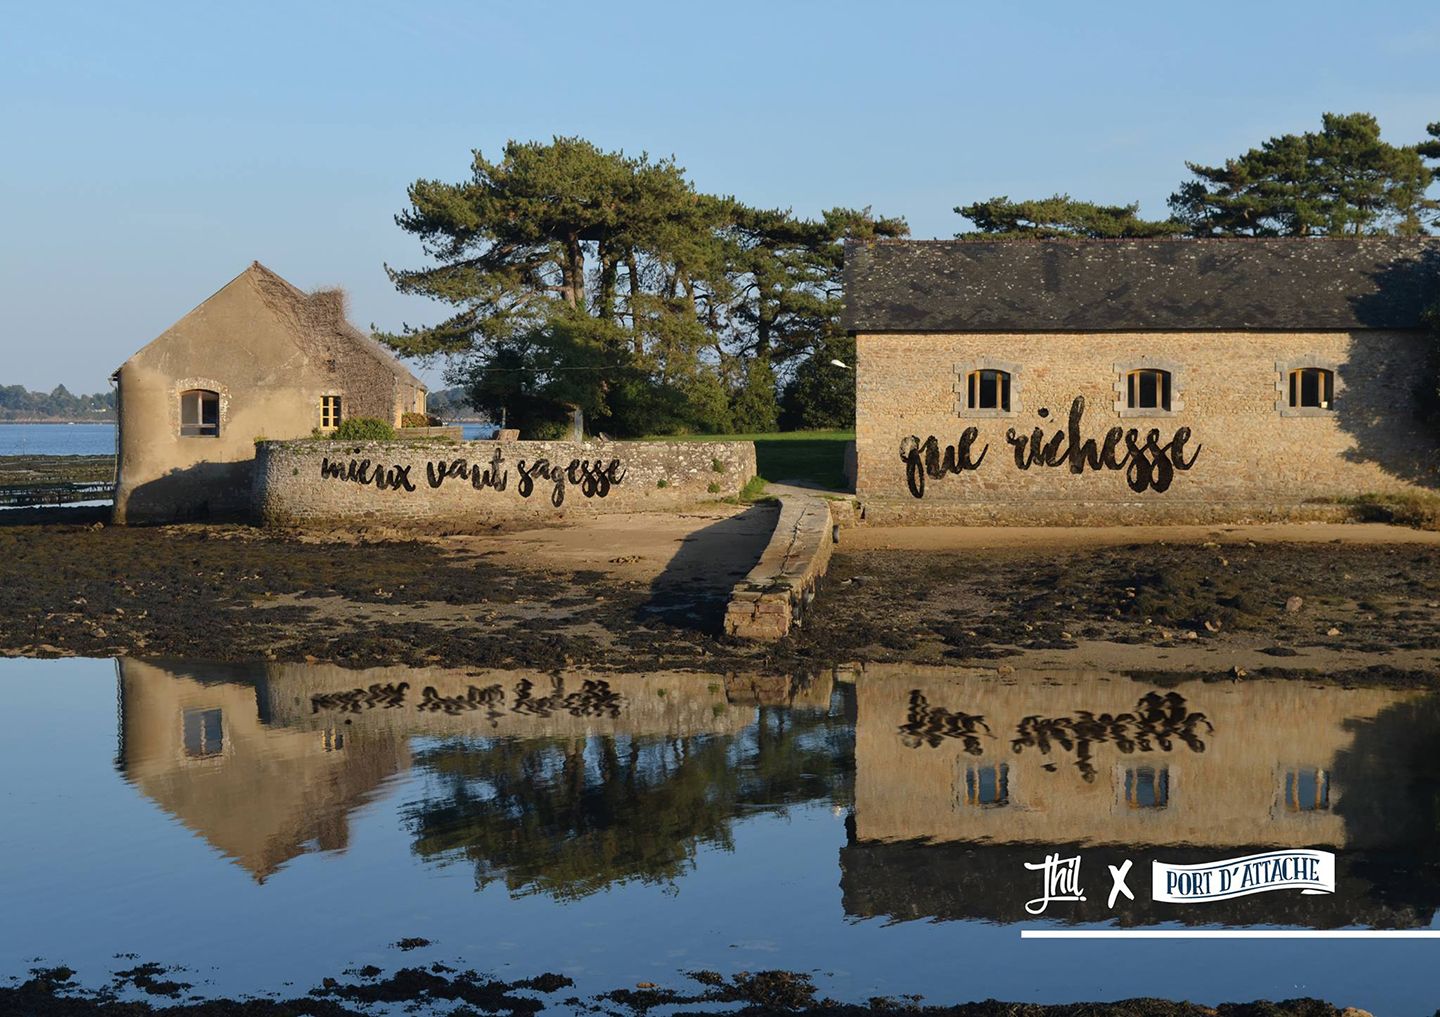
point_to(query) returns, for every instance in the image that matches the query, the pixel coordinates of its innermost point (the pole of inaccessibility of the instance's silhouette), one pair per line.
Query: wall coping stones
(768, 602)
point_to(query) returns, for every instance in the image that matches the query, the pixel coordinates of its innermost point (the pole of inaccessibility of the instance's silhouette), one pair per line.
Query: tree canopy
(1062, 216)
(1342, 180)
(592, 279)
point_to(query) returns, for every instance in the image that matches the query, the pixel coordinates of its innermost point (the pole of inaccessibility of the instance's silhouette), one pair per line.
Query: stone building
(258, 359)
(1140, 380)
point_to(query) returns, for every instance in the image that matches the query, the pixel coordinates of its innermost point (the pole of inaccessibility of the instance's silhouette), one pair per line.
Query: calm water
(99, 439)
(277, 823)
(57, 439)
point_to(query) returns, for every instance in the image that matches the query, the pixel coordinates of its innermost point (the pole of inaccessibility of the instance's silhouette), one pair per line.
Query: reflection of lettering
(931, 725)
(1148, 464)
(593, 478)
(386, 696)
(1158, 721)
(491, 697)
(1155, 725)
(594, 698)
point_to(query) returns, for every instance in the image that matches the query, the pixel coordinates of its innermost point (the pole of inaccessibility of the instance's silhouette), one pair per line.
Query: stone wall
(1244, 457)
(449, 484)
(769, 601)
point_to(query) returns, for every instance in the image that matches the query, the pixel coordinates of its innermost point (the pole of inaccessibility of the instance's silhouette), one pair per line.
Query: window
(987, 785)
(200, 413)
(988, 390)
(1312, 388)
(1147, 787)
(329, 412)
(986, 387)
(1307, 789)
(204, 733)
(1307, 386)
(1147, 388)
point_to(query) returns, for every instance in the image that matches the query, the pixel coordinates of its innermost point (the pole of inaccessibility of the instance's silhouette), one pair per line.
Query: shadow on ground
(692, 591)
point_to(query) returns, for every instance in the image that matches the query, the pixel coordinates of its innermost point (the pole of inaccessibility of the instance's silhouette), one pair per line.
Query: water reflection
(555, 783)
(962, 777)
(565, 784)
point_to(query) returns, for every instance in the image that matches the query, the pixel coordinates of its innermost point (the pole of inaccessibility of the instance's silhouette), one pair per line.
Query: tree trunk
(574, 272)
(632, 265)
(609, 263)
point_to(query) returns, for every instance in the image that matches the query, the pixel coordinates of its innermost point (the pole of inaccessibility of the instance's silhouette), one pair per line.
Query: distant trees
(1343, 180)
(586, 278)
(1063, 216)
(19, 403)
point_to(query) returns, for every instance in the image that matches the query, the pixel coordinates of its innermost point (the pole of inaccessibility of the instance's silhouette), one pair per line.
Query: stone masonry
(1252, 460)
(430, 484)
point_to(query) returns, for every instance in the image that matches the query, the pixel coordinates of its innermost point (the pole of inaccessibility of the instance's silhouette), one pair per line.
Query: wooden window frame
(1291, 372)
(972, 371)
(200, 427)
(1128, 374)
(329, 421)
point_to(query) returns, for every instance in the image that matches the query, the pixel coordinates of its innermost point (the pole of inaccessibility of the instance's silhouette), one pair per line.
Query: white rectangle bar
(1230, 934)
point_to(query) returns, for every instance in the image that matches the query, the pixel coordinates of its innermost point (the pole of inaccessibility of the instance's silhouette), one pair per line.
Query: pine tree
(1342, 180)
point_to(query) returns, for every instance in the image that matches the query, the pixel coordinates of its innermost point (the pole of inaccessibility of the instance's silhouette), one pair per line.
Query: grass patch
(813, 457)
(1421, 511)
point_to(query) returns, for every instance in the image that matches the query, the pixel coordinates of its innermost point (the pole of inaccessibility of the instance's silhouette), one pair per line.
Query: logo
(1310, 872)
(1060, 880)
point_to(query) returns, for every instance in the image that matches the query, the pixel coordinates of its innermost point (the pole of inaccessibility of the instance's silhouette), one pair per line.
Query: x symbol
(1118, 886)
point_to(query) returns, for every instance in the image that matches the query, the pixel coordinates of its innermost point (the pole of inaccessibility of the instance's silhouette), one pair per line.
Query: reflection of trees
(567, 817)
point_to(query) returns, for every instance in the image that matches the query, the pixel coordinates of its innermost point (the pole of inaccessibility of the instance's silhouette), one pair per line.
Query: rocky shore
(1223, 607)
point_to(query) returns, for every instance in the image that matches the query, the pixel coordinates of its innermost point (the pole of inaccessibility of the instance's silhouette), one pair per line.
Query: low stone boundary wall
(769, 600)
(427, 484)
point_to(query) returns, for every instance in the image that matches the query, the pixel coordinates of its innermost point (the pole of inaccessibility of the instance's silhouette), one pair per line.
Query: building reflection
(557, 783)
(962, 777)
(566, 783)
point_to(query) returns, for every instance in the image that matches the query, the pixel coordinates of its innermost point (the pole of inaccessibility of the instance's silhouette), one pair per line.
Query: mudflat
(646, 591)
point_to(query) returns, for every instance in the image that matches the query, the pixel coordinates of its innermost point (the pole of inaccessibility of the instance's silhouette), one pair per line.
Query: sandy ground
(724, 540)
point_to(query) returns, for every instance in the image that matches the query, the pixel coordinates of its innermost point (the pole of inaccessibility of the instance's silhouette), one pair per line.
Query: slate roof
(1107, 285)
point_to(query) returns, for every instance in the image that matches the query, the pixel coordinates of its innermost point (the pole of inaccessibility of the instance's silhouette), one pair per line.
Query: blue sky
(149, 152)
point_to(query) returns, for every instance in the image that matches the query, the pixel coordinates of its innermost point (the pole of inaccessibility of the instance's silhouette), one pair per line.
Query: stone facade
(269, 353)
(1247, 458)
(1140, 381)
(431, 484)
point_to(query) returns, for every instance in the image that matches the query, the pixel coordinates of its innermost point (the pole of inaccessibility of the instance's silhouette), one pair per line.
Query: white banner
(1301, 869)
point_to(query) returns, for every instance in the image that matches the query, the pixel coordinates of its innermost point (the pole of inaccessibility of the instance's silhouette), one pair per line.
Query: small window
(1312, 388)
(204, 733)
(1147, 388)
(329, 412)
(1147, 787)
(1307, 790)
(200, 413)
(988, 390)
(987, 785)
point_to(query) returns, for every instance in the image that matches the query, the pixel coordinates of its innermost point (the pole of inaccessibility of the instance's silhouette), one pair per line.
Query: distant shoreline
(59, 420)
